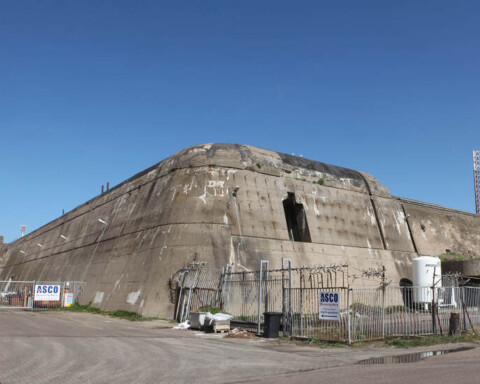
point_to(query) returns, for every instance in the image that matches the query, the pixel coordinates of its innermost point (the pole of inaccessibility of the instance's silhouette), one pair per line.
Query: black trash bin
(272, 324)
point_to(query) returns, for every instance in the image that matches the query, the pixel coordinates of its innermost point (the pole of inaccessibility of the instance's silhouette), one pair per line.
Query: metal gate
(16, 295)
(38, 295)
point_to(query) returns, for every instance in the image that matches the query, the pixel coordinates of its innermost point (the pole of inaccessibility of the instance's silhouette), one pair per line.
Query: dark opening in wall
(296, 220)
(407, 292)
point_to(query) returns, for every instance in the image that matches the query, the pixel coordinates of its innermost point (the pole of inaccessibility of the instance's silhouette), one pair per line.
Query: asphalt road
(61, 347)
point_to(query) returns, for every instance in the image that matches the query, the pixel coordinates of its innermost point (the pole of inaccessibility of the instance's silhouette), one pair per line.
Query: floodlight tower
(476, 179)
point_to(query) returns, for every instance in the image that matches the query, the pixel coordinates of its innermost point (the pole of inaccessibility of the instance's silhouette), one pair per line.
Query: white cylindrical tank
(424, 268)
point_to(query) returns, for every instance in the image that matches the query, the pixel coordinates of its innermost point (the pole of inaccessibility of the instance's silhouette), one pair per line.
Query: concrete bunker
(184, 206)
(296, 219)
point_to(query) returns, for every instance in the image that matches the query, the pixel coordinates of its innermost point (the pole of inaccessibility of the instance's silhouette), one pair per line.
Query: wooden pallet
(219, 326)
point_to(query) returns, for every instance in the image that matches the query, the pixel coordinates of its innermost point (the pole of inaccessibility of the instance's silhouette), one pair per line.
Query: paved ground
(66, 347)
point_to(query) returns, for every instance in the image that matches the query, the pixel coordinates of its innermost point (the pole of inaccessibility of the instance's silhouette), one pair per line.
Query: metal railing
(368, 314)
(361, 313)
(411, 311)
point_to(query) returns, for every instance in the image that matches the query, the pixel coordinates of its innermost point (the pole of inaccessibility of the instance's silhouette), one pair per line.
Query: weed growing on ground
(312, 341)
(431, 340)
(212, 310)
(132, 316)
(397, 342)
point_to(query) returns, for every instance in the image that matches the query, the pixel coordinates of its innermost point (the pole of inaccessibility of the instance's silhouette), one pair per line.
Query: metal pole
(288, 318)
(434, 322)
(383, 302)
(262, 263)
(182, 296)
(290, 310)
(231, 269)
(301, 311)
(463, 309)
(284, 315)
(62, 301)
(222, 277)
(349, 332)
(266, 289)
(191, 292)
(259, 297)
(301, 302)
(33, 295)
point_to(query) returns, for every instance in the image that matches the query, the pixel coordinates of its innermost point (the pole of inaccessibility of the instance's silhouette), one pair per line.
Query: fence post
(218, 292)
(284, 312)
(290, 310)
(349, 332)
(259, 298)
(434, 322)
(182, 296)
(463, 308)
(287, 311)
(222, 288)
(383, 302)
(262, 263)
(266, 290)
(302, 284)
(191, 293)
(33, 294)
(62, 296)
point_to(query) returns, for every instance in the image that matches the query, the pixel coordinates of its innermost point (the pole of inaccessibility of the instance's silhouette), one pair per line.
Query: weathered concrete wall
(437, 229)
(159, 219)
(468, 268)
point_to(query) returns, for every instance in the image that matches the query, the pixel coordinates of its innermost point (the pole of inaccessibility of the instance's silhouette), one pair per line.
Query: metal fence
(363, 313)
(194, 288)
(303, 318)
(38, 295)
(410, 311)
(249, 294)
(368, 314)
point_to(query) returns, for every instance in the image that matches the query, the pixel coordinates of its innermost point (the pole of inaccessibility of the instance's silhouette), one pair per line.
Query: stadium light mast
(476, 180)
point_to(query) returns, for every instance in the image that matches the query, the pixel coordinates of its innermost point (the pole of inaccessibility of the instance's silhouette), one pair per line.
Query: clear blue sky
(96, 91)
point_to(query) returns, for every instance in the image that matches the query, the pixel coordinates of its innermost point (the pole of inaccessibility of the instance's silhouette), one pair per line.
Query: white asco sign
(329, 306)
(47, 292)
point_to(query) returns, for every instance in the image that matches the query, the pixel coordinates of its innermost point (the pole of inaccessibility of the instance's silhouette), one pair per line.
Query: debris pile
(240, 334)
